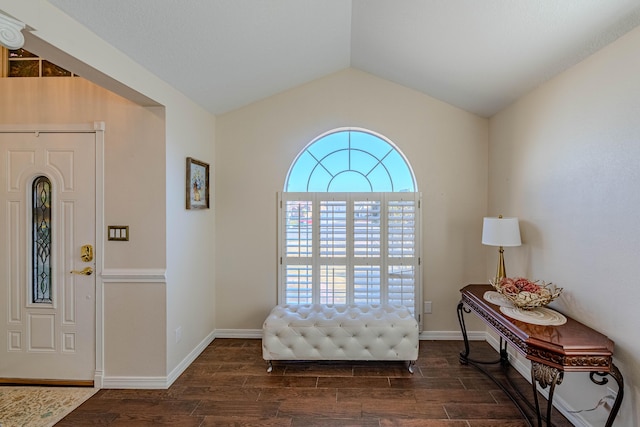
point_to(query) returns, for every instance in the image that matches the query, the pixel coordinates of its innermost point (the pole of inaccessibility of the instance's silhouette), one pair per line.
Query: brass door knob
(87, 271)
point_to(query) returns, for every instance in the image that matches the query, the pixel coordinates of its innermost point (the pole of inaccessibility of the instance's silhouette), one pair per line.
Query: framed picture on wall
(197, 184)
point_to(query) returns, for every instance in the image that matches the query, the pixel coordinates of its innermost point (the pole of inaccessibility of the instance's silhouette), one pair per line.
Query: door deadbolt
(86, 253)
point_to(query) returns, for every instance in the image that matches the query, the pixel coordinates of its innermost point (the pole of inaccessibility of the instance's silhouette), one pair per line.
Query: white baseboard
(184, 364)
(239, 333)
(158, 382)
(452, 335)
(135, 382)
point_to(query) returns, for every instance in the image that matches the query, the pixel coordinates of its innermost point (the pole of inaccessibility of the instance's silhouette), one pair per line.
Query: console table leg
(615, 373)
(545, 376)
(464, 356)
(504, 355)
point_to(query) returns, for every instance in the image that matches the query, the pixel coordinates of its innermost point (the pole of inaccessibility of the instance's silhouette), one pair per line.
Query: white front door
(47, 313)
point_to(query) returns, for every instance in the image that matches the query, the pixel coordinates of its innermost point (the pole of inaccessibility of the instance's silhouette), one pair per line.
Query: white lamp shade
(501, 232)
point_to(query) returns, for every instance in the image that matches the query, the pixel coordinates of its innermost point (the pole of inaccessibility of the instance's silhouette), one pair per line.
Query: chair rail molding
(11, 35)
(118, 275)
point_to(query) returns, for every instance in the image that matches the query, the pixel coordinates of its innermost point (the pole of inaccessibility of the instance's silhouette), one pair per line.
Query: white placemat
(537, 316)
(497, 298)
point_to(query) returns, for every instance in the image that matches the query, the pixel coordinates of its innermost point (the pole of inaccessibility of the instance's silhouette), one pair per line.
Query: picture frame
(197, 180)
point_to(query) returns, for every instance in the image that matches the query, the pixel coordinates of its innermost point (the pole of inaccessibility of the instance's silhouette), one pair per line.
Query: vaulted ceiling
(479, 55)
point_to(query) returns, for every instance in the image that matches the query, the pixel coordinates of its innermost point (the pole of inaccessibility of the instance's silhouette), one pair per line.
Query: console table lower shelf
(552, 350)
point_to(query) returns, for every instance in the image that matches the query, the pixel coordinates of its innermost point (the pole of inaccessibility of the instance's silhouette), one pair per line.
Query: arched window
(350, 160)
(350, 224)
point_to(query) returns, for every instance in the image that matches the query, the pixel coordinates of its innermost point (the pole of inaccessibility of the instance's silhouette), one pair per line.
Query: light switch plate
(118, 233)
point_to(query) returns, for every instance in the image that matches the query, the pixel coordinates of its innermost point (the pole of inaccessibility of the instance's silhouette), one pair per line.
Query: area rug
(39, 406)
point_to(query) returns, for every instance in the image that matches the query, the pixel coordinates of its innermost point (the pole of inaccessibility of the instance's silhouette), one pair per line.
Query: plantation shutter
(402, 255)
(332, 251)
(367, 260)
(349, 248)
(296, 224)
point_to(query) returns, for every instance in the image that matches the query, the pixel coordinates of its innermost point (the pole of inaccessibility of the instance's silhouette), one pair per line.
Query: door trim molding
(99, 129)
(94, 127)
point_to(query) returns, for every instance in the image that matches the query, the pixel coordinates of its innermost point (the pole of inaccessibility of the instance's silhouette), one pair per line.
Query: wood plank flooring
(227, 385)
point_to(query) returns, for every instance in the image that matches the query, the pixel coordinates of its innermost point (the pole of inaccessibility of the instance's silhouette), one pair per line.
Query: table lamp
(501, 232)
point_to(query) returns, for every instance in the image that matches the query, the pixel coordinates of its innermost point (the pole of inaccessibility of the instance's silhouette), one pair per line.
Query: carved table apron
(552, 350)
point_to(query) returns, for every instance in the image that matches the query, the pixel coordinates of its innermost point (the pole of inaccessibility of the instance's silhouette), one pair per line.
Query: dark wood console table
(552, 350)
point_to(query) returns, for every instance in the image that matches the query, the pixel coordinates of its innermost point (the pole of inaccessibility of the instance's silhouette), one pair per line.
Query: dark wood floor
(228, 386)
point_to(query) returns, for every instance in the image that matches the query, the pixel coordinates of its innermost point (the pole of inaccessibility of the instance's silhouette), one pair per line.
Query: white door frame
(98, 129)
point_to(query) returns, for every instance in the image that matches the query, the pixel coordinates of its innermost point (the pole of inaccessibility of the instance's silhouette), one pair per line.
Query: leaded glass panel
(41, 240)
(23, 63)
(24, 68)
(50, 69)
(21, 53)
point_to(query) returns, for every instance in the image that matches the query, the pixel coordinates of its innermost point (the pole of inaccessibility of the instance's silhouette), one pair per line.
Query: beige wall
(565, 159)
(255, 146)
(191, 259)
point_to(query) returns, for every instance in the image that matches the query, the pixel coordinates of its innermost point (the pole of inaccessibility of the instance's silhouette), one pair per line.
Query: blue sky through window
(350, 161)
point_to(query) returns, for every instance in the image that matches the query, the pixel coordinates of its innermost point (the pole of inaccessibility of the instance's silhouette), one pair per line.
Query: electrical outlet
(427, 307)
(178, 334)
(609, 398)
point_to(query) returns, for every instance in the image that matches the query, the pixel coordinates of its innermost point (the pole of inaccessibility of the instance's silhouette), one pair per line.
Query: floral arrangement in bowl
(527, 294)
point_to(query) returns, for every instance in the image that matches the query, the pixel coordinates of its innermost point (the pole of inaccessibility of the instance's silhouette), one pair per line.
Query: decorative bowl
(527, 294)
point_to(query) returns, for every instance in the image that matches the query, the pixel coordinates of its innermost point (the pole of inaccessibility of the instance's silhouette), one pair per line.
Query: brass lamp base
(501, 271)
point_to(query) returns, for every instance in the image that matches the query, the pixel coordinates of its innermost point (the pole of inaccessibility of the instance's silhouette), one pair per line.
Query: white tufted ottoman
(340, 332)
